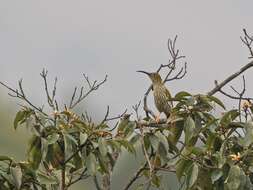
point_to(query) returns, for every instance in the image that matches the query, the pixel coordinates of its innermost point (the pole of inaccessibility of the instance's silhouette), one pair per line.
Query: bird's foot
(157, 118)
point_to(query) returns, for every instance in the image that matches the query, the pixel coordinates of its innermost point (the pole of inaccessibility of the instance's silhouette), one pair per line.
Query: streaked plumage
(161, 94)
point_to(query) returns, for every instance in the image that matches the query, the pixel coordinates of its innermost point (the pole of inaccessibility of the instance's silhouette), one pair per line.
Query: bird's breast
(161, 99)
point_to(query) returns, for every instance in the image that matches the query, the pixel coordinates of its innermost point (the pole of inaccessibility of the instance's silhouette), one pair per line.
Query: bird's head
(155, 77)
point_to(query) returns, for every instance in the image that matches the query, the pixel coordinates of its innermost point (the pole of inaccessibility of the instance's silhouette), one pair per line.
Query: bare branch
(136, 109)
(106, 115)
(135, 177)
(240, 95)
(21, 95)
(92, 87)
(179, 75)
(247, 40)
(145, 107)
(151, 169)
(171, 66)
(233, 97)
(54, 89)
(50, 99)
(219, 86)
(107, 118)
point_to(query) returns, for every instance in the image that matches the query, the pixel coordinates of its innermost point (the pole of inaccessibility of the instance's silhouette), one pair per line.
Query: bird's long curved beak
(147, 73)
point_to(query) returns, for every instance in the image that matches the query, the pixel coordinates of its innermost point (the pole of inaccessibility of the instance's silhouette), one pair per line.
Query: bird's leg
(157, 117)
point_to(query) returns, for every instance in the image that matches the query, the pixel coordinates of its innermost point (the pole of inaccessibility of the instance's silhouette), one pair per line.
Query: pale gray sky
(117, 38)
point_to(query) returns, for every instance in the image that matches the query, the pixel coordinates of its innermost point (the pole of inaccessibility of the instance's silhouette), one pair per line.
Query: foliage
(204, 149)
(193, 143)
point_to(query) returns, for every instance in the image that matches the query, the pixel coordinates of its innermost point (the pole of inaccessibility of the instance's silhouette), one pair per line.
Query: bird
(161, 94)
(163, 103)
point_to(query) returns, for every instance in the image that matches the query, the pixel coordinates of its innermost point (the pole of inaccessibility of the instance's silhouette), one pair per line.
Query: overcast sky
(117, 38)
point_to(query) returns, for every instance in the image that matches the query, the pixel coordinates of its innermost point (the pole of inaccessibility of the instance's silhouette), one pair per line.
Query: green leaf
(46, 179)
(213, 142)
(156, 180)
(229, 116)
(123, 123)
(17, 176)
(83, 137)
(163, 138)
(189, 127)
(248, 139)
(147, 142)
(103, 163)
(77, 161)
(68, 145)
(114, 145)
(193, 174)
(70, 138)
(154, 140)
(91, 164)
(221, 159)
(20, 116)
(3, 158)
(198, 151)
(102, 146)
(51, 139)
(217, 101)
(236, 178)
(162, 152)
(127, 145)
(129, 129)
(35, 152)
(135, 139)
(175, 134)
(181, 166)
(182, 94)
(216, 175)
(139, 187)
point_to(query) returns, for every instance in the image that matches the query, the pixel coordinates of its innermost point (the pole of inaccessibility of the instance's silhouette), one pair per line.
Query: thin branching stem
(92, 87)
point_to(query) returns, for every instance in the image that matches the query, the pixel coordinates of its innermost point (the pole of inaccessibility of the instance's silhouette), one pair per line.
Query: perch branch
(247, 40)
(218, 86)
(171, 66)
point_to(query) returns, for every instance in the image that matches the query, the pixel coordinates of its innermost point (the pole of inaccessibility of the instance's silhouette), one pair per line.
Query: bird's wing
(167, 92)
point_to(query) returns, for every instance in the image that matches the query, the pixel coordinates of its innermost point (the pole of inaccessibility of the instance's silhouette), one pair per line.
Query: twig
(106, 115)
(76, 152)
(152, 123)
(96, 183)
(135, 177)
(81, 176)
(106, 118)
(50, 99)
(240, 94)
(92, 87)
(247, 40)
(228, 79)
(179, 75)
(63, 167)
(21, 95)
(146, 152)
(233, 97)
(136, 110)
(171, 66)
